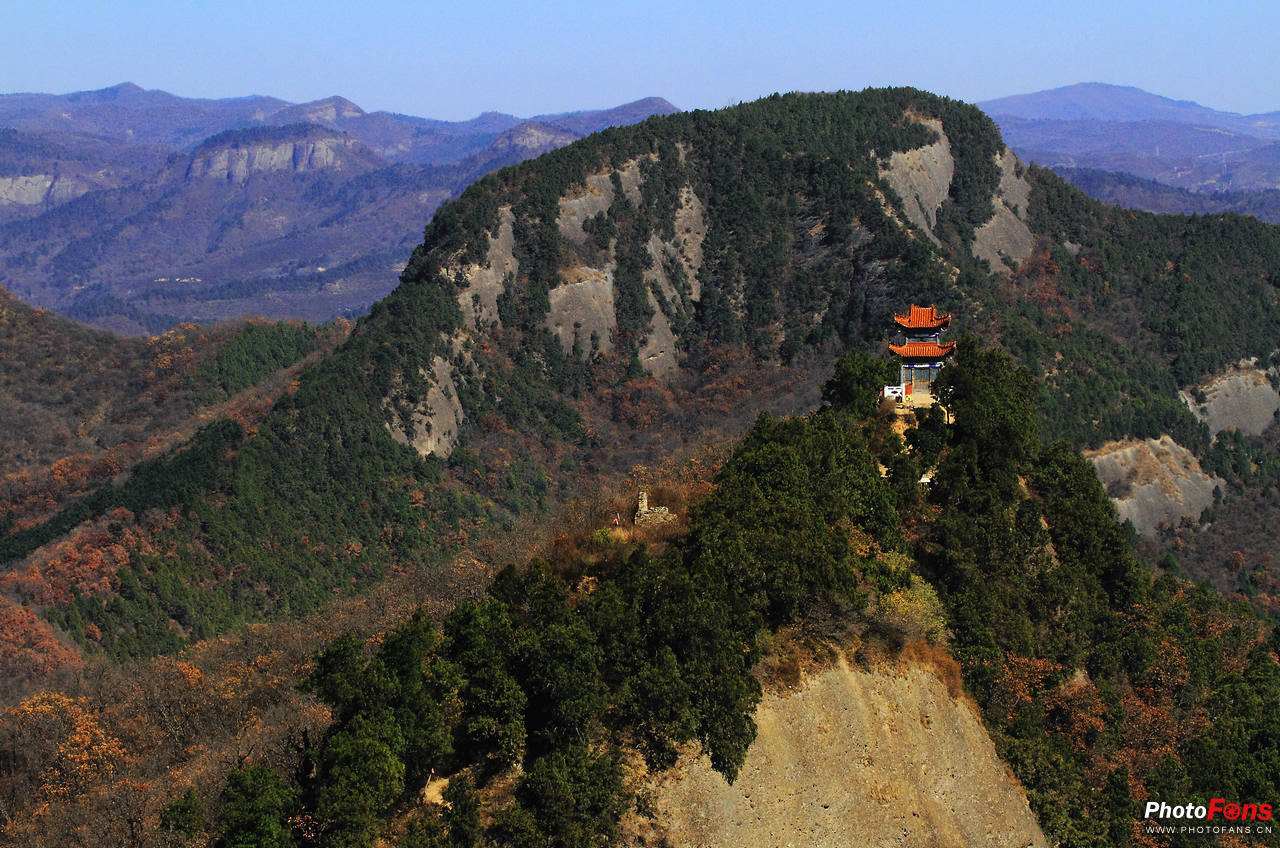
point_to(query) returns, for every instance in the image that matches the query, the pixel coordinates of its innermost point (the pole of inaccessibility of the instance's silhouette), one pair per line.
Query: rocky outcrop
(585, 201)
(1006, 239)
(582, 307)
(681, 256)
(25, 190)
(530, 139)
(330, 110)
(437, 420)
(479, 300)
(922, 178)
(236, 163)
(855, 758)
(38, 189)
(582, 312)
(593, 196)
(659, 356)
(1154, 483)
(1242, 398)
(629, 176)
(691, 229)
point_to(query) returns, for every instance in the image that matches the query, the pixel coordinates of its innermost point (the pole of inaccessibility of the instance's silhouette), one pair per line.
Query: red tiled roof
(923, 350)
(923, 318)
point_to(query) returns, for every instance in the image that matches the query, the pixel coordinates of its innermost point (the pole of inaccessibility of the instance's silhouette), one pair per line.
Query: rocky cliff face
(1158, 483)
(922, 177)
(1006, 240)
(855, 758)
(530, 139)
(1154, 483)
(582, 307)
(39, 172)
(236, 160)
(40, 189)
(436, 424)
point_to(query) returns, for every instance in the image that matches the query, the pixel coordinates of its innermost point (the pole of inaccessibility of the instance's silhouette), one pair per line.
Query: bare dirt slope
(1241, 398)
(880, 758)
(1154, 483)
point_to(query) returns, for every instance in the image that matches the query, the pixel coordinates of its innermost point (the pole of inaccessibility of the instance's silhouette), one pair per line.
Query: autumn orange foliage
(64, 751)
(87, 561)
(29, 649)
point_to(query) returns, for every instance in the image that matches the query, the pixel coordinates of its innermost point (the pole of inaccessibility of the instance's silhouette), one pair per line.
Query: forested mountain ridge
(780, 228)
(769, 261)
(572, 702)
(84, 406)
(560, 310)
(1124, 316)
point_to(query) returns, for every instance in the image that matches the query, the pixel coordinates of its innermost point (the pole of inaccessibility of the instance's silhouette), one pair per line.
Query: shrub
(913, 613)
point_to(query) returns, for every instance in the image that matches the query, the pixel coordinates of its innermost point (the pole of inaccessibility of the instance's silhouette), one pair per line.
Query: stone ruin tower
(646, 517)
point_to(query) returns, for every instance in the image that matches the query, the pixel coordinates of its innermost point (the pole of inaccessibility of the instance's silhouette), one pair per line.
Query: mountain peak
(113, 92)
(1101, 101)
(1130, 92)
(492, 121)
(329, 110)
(587, 121)
(123, 88)
(337, 101)
(656, 105)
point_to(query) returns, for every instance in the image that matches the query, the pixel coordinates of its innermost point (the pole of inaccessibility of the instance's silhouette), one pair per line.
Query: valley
(1121, 128)
(244, 206)
(1126, 146)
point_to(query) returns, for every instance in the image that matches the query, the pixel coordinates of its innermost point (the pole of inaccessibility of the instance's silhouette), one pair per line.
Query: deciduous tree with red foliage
(29, 648)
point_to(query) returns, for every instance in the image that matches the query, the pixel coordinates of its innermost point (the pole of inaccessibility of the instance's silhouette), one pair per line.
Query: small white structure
(645, 516)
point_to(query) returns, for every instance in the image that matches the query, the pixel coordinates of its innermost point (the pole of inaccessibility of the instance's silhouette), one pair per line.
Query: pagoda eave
(907, 324)
(923, 318)
(923, 350)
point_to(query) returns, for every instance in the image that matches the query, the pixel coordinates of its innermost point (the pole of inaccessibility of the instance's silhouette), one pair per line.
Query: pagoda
(921, 353)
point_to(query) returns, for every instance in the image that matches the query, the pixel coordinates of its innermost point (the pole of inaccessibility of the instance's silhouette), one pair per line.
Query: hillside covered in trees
(768, 232)
(657, 285)
(85, 410)
(551, 700)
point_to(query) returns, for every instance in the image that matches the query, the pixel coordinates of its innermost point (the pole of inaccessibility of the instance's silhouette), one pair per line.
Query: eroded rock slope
(866, 758)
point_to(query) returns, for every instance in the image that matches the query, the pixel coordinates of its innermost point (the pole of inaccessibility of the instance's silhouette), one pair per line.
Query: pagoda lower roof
(923, 318)
(923, 350)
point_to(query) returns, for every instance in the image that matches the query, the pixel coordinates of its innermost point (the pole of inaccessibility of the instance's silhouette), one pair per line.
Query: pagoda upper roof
(923, 318)
(923, 350)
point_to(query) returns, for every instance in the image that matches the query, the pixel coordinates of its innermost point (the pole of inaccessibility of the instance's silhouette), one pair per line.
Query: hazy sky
(452, 60)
